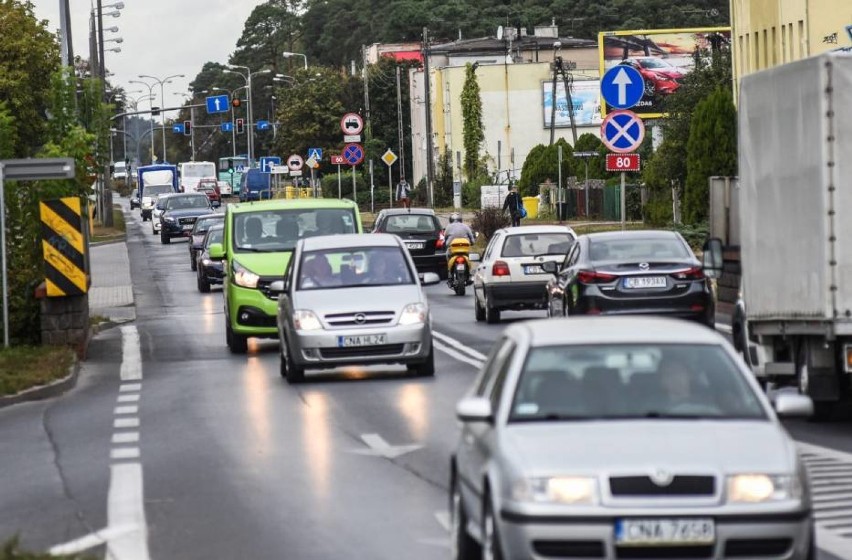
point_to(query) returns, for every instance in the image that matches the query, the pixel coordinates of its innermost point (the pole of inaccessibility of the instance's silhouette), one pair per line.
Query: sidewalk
(111, 293)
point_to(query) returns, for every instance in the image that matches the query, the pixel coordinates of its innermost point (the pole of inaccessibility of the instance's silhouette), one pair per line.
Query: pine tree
(473, 133)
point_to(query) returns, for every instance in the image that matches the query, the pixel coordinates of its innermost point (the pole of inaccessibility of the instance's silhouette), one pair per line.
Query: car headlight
(206, 262)
(760, 488)
(573, 490)
(305, 320)
(169, 219)
(413, 314)
(245, 277)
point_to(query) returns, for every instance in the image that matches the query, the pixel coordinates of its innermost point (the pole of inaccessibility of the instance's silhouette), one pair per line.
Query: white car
(225, 188)
(157, 211)
(510, 275)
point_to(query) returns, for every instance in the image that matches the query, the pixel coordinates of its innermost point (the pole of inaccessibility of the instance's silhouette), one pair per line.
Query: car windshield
(610, 382)
(655, 63)
(346, 268)
(637, 249)
(412, 223)
(531, 244)
(213, 236)
(203, 224)
(278, 230)
(154, 190)
(186, 202)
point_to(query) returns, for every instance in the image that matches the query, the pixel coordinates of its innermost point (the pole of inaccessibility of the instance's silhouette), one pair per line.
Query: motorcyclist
(457, 229)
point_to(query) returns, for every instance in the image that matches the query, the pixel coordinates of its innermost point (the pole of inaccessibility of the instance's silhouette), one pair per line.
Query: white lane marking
(129, 409)
(124, 453)
(831, 496)
(457, 355)
(126, 507)
(378, 447)
(129, 398)
(89, 541)
(443, 519)
(130, 387)
(131, 363)
(126, 423)
(125, 437)
(450, 341)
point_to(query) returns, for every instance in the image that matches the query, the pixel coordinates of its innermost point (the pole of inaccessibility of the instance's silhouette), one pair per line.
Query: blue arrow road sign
(622, 87)
(622, 131)
(177, 128)
(266, 163)
(218, 104)
(263, 125)
(315, 153)
(227, 126)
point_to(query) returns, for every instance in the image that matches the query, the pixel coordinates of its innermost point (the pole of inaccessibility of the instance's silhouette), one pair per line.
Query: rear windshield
(642, 249)
(412, 223)
(279, 230)
(186, 202)
(532, 244)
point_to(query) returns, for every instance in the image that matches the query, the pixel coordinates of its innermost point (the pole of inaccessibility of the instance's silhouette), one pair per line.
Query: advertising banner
(585, 97)
(662, 56)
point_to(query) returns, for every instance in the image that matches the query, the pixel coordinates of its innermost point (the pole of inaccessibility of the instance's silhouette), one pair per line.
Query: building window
(774, 46)
(756, 64)
(766, 57)
(742, 67)
(784, 43)
(803, 48)
(746, 56)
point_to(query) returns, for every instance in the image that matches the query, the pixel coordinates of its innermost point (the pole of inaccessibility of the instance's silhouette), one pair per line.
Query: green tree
(272, 28)
(443, 183)
(472, 129)
(711, 150)
(542, 164)
(8, 132)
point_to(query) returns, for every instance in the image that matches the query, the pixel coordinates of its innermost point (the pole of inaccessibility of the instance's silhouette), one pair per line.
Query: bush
(122, 187)
(695, 234)
(489, 220)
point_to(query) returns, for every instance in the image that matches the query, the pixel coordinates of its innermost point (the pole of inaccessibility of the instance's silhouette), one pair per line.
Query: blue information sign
(622, 87)
(263, 125)
(267, 162)
(227, 126)
(218, 104)
(177, 128)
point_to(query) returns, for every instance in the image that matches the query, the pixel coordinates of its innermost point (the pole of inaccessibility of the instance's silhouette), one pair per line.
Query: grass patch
(582, 229)
(97, 320)
(117, 231)
(23, 367)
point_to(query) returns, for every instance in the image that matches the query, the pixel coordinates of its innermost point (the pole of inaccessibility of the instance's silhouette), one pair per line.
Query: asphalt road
(234, 463)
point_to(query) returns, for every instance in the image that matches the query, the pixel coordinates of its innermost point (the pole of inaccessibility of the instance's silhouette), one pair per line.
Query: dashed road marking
(118, 453)
(126, 423)
(134, 397)
(130, 387)
(125, 437)
(129, 409)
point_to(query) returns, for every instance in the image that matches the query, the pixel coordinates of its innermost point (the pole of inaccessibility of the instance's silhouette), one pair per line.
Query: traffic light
(187, 128)
(236, 102)
(240, 126)
(155, 111)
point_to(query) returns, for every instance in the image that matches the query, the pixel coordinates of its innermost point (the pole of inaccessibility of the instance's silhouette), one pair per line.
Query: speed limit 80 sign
(622, 162)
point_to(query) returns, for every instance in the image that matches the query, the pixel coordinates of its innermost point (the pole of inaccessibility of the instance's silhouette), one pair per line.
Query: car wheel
(478, 311)
(492, 315)
(491, 549)
(203, 283)
(425, 368)
(462, 545)
(193, 265)
(237, 343)
(164, 238)
(289, 370)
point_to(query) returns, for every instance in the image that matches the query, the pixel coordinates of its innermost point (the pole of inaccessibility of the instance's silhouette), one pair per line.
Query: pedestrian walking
(402, 193)
(514, 205)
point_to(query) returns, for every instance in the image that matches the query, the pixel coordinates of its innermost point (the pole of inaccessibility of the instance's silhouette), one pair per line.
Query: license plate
(361, 340)
(460, 267)
(649, 532)
(645, 282)
(414, 245)
(187, 227)
(533, 269)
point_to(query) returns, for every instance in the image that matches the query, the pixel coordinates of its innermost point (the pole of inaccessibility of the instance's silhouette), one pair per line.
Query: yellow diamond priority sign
(389, 157)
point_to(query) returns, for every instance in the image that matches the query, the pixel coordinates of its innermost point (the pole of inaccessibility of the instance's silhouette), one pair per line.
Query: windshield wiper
(252, 250)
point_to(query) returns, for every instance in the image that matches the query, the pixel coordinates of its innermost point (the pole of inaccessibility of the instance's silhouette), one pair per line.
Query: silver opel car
(625, 438)
(353, 300)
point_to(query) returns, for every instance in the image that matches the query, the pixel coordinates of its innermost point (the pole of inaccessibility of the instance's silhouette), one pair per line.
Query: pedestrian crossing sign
(315, 153)
(241, 169)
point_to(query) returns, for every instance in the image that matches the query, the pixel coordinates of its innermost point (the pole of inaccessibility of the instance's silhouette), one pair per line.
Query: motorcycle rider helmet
(455, 217)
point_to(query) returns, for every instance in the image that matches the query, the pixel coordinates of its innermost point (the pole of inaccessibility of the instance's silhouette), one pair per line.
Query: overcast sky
(161, 37)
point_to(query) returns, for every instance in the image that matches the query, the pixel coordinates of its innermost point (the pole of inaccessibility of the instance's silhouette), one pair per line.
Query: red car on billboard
(661, 78)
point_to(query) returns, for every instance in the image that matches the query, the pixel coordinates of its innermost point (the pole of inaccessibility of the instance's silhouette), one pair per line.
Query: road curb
(45, 391)
(110, 242)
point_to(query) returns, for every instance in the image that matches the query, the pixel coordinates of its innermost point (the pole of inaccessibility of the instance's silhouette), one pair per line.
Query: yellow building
(770, 32)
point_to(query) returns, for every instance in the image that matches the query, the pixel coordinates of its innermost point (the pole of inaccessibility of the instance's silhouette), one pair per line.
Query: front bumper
(784, 536)
(517, 295)
(252, 313)
(176, 229)
(408, 344)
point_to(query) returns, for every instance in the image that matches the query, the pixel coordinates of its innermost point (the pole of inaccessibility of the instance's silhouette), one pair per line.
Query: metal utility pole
(559, 184)
(567, 80)
(430, 170)
(399, 125)
(368, 130)
(102, 69)
(192, 131)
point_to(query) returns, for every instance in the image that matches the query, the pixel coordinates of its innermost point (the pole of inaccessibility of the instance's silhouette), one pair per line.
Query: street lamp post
(247, 77)
(151, 104)
(286, 54)
(233, 127)
(163, 102)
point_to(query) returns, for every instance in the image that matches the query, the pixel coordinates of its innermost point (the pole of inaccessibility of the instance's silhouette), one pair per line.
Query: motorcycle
(458, 266)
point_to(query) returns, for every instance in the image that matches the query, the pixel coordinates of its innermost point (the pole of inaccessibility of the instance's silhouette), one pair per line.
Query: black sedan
(196, 236)
(180, 211)
(209, 271)
(422, 233)
(627, 273)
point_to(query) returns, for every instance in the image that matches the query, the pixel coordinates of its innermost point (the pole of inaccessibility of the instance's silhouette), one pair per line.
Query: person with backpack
(514, 205)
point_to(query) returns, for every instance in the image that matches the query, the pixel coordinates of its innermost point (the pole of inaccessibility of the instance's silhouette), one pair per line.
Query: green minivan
(258, 240)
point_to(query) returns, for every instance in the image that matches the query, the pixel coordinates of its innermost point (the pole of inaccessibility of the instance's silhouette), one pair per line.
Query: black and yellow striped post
(64, 247)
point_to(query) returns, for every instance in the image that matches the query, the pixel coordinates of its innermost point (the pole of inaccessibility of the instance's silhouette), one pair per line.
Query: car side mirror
(277, 286)
(475, 257)
(216, 251)
(474, 409)
(550, 267)
(712, 259)
(430, 279)
(793, 405)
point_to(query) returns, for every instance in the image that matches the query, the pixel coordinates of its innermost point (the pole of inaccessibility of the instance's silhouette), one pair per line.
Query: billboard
(585, 98)
(663, 57)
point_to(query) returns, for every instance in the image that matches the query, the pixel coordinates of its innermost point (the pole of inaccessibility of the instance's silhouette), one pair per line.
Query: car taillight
(460, 260)
(500, 268)
(694, 273)
(440, 243)
(593, 277)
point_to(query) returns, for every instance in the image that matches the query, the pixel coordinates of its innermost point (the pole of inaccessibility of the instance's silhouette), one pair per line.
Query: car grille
(628, 486)
(663, 552)
(184, 221)
(358, 351)
(363, 319)
(739, 548)
(569, 549)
